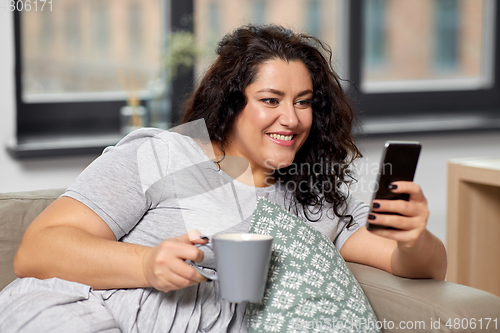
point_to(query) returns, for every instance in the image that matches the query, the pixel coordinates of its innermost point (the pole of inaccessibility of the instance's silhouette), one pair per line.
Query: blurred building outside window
(259, 9)
(375, 37)
(325, 19)
(101, 26)
(447, 35)
(314, 21)
(427, 45)
(73, 52)
(135, 27)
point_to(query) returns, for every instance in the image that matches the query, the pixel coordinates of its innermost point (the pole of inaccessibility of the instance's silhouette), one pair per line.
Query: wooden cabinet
(473, 223)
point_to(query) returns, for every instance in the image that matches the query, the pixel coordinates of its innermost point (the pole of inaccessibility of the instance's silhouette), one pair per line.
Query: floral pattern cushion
(309, 286)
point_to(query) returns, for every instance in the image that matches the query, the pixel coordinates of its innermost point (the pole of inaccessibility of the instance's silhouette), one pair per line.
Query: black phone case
(398, 163)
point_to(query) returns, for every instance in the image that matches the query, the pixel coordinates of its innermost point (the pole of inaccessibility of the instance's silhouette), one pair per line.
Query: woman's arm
(411, 251)
(70, 241)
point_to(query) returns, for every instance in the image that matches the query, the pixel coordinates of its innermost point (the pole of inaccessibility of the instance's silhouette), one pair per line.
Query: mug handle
(210, 276)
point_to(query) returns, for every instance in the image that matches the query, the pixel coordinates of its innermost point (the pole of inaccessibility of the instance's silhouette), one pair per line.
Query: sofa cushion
(17, 211)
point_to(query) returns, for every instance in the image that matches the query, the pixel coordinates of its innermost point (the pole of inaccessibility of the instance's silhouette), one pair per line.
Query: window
(426, 45)
(403, 61)
(425, 65)
(77, 61)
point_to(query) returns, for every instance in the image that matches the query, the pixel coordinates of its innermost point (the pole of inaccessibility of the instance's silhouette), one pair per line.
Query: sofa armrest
(17, 211)
(429, 303)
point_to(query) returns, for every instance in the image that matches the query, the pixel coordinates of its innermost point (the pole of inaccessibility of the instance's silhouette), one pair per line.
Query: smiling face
(276, 119)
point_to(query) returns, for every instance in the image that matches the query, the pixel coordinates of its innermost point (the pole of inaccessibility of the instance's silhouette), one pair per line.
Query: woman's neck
(238, 168)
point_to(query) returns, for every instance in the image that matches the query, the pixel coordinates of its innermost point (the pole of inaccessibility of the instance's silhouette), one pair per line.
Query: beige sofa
(416, 305)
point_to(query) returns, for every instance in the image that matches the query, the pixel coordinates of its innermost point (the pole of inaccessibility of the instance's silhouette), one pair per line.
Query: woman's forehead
(282, 74)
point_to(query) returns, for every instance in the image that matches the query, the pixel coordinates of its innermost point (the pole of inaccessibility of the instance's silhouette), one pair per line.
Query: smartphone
(399, 162)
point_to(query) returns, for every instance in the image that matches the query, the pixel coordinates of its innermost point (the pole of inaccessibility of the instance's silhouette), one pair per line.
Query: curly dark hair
(330, 147)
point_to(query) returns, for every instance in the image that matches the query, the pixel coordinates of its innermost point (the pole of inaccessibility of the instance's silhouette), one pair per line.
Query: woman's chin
(279, 163)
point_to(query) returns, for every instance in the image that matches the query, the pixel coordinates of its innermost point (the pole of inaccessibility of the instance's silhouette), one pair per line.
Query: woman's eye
(271, 101)
(304, 103)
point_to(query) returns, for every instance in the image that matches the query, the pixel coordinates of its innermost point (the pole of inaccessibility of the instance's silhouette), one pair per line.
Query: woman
(272, 98)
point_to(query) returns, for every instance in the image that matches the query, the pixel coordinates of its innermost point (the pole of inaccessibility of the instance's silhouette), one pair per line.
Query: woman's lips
(281, 139)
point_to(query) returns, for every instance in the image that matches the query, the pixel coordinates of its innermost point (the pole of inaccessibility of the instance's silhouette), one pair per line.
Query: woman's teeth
(281, 137)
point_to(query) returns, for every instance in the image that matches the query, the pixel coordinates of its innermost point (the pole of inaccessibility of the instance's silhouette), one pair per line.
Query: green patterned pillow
(309, 286)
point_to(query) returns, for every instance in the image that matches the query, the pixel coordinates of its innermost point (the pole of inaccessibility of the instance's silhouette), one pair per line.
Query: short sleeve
(111, 185)
(359, 212)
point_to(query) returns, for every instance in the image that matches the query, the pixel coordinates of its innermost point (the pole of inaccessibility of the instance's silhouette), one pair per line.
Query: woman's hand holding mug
(164, 265)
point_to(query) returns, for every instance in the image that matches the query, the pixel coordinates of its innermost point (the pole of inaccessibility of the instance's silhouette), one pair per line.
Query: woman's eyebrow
(281, 93)
(273, 91)
(305, 92)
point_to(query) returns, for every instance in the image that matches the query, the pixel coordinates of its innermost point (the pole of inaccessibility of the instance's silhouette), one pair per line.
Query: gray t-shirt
(157, 184)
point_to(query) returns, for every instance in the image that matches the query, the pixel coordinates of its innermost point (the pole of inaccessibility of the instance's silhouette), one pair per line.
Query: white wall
(60, 172)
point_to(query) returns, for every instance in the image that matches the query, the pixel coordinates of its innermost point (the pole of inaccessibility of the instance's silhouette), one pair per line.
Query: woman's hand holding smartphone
(399, 163)
(399, 214)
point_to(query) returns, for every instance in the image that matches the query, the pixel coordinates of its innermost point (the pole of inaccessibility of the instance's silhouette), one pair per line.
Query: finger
(395, 221)
(194, 234)
(188, 237)
(166, 269)
(411, 188)
(187, 272)
(201, 240)
(401, 207)
(200, 257)
(169, 249)
(186, 251)
(173, 281)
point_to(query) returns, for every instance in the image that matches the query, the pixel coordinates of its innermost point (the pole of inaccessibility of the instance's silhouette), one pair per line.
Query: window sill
(94, 145)
(60, 146)
(428, 124)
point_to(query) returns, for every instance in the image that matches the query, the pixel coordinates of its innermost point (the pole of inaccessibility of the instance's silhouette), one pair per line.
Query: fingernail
(371, 217)
(393, 187)
(376, 205)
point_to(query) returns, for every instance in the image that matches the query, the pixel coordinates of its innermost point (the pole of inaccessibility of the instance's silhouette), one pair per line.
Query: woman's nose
(288, 116)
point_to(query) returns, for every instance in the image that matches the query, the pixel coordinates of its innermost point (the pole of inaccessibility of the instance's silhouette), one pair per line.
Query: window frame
(378, 107)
